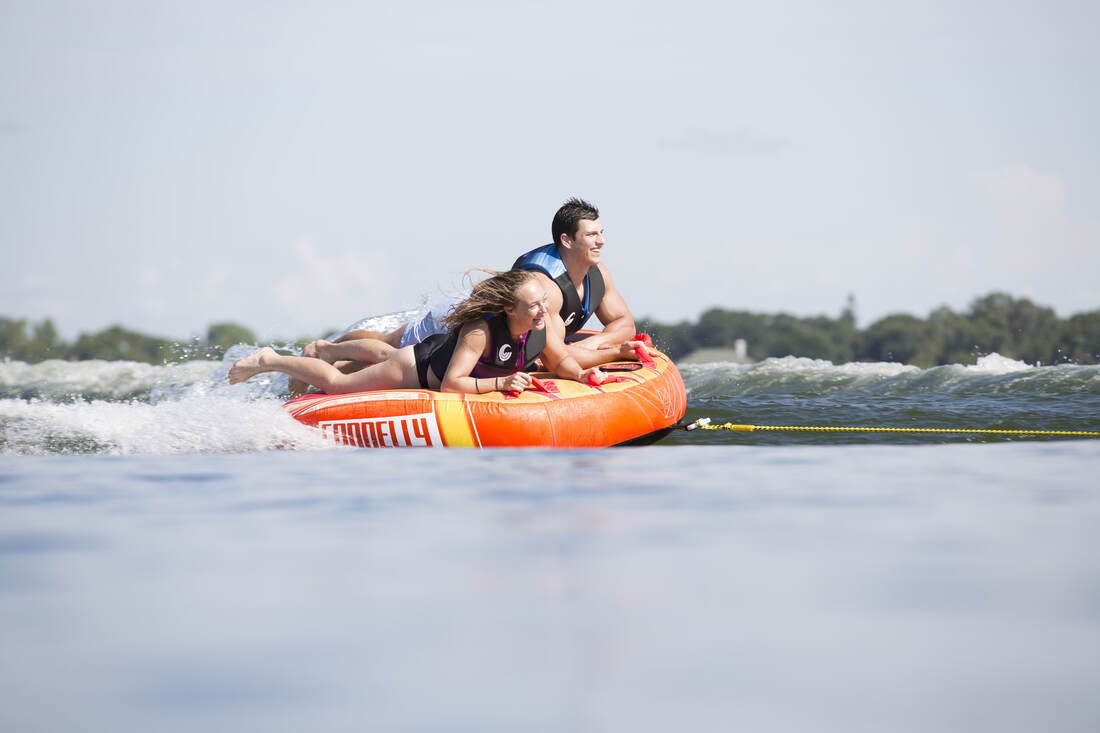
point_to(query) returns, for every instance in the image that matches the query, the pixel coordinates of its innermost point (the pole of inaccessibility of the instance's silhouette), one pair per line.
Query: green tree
(675, 340)
(45, 343)
(13, 338)
(228, 334)
(788, 335)
(845, 334)
(1015, 327)
(893, 338)
(721, 328)
(948, 339)
(119, 344)
(221, 336)
(30, 343)
(1079, 340)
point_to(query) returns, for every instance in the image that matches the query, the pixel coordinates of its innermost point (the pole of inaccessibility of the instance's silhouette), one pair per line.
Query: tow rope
(704, 424)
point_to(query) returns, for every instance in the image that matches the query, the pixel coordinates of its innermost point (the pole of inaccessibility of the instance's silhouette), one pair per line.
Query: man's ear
(564, 240)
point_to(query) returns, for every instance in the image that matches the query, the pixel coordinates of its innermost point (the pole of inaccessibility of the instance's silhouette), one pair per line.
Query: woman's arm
(472, 340)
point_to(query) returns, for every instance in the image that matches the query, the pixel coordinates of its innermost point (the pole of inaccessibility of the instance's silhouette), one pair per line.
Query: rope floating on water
(704, 424)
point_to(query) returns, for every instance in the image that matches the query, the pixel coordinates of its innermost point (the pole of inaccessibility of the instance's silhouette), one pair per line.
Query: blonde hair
(488, 297)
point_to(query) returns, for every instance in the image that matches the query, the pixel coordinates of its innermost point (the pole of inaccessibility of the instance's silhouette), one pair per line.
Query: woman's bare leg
(296, 387)
(347, 356)
(394, 373)
(393, 338)
(369, 350)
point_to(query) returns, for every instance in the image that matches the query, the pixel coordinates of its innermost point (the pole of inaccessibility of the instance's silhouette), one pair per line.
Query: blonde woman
(494, 335)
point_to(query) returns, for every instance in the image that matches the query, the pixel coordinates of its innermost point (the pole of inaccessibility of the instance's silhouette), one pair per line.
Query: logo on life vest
(504, 353)
(570, 318)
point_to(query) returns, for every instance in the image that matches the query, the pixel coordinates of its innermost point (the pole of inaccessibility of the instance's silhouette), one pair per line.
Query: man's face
(588, 241)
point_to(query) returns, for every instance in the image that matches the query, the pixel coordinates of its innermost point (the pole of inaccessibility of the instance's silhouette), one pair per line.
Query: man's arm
(618, 322)
(557, 358)
(586, 357)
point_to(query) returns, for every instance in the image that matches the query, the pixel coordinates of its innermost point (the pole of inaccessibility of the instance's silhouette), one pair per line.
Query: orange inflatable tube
(638, 404)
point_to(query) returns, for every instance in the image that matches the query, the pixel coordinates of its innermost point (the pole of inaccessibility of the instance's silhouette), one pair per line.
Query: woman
(495, 333)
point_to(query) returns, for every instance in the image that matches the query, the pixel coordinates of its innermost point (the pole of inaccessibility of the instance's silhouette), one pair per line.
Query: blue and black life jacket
(574, 313)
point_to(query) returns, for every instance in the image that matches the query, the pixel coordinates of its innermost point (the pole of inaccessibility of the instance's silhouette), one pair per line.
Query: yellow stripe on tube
(454, 421)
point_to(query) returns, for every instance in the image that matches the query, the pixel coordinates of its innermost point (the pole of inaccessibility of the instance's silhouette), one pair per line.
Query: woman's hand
(515, 382)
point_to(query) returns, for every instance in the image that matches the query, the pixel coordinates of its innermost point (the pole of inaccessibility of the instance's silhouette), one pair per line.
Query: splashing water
(121, 408)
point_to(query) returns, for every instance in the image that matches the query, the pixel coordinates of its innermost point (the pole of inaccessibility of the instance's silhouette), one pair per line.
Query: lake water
(178, 555)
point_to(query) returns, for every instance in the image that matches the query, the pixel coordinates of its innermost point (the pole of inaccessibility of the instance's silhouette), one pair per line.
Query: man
(579, 284)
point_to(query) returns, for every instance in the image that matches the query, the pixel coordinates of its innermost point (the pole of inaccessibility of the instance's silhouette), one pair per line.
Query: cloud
(150, 277)
(26, 294)
(740, 142)
(333, 287)
(1024, 199)
(1036, 240)
(152, 291)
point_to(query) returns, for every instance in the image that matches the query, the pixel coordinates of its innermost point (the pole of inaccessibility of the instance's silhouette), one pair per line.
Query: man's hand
(629, 350)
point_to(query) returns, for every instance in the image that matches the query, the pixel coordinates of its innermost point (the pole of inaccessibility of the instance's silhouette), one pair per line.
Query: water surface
(177, 555)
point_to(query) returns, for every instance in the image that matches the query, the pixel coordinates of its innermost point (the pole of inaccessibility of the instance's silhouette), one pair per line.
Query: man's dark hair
(570, 215)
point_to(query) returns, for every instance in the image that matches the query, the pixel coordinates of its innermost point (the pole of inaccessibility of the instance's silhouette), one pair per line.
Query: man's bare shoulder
(553, 292)
(608, 282)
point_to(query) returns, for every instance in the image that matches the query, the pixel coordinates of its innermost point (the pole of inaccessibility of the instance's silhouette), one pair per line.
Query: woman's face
(531, 307)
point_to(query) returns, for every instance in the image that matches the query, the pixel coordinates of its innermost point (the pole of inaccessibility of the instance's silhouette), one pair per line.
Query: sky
(294, 167)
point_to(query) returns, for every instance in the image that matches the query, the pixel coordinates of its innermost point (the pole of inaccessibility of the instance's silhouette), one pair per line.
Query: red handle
(536, 384)
(607, 379)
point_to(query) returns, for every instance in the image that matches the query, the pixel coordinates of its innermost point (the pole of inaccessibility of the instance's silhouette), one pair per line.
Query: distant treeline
(33, 342)
(1012, 327)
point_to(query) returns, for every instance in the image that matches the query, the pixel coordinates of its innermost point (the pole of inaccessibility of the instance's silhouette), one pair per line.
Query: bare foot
(320, 349)
(251, 365)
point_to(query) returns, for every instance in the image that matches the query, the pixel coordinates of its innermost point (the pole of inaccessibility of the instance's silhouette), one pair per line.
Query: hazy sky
(295, 166)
